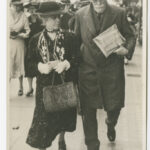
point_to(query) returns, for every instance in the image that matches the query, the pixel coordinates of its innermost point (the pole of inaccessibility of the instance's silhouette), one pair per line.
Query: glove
(13, 37)
(44, 68)
(62, 66)
(121, 51)
(53, 63)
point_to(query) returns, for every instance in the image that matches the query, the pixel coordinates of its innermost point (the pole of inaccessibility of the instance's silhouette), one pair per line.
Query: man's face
(99, 5)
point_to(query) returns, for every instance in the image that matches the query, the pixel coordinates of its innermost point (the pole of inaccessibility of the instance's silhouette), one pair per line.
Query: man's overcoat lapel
(88, 18)
(108, 19)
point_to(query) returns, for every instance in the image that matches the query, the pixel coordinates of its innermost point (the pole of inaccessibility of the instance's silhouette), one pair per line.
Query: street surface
(130, 128)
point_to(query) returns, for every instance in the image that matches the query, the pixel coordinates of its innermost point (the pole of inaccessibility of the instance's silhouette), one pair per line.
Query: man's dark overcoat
(101, 80)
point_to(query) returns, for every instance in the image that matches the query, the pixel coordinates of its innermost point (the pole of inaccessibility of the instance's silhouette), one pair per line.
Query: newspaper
(109, 40)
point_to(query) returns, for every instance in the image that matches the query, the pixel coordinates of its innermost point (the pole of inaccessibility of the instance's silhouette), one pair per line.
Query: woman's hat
(49, 8)
(17, 2)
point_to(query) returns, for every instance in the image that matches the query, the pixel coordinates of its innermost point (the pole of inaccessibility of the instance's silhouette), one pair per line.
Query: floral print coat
(46, 126)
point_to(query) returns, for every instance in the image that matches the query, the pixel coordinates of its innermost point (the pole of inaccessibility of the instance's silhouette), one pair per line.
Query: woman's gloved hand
(53, 63)
(62, 66)
(44, 68)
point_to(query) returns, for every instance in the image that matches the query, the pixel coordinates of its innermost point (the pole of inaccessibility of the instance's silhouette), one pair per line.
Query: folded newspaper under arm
(109, 40)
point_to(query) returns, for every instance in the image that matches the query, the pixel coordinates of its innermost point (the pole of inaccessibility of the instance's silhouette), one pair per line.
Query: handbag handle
(53, 78)
(55, 56)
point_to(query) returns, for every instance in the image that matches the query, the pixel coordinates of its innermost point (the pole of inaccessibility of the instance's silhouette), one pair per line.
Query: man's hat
(49, 8)
(17, 2)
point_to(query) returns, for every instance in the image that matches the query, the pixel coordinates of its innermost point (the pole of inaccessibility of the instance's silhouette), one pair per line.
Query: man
(101, 80)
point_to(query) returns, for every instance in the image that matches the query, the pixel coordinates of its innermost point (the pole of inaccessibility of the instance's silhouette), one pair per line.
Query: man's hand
(44, 68)
(121, 51)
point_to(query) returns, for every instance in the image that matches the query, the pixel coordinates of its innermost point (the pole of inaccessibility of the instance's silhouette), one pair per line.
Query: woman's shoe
(111, 133)
(29, 93)
(62, 145)
(20, 92)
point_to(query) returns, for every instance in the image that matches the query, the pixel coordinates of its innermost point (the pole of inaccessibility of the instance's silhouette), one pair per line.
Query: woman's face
(99, 5)
(52, 22)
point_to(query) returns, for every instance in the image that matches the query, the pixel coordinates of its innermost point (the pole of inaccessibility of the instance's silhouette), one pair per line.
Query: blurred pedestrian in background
(19, 31)
(68, 14)
(78, 5)
(51, 51)
(133, 20)
(36, 26)
(101, 79)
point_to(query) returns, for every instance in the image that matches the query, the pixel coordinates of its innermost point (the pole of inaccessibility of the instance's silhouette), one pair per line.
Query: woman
(19, 30)
(35, 26)
(51, 52)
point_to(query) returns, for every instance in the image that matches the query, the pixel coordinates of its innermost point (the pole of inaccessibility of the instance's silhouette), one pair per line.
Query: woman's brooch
(60, 48)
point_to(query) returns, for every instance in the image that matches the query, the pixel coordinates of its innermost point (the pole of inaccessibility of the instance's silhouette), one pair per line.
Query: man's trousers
(91, 128)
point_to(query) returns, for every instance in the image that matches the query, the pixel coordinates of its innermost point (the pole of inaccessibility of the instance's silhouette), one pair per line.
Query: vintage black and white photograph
(76, 75)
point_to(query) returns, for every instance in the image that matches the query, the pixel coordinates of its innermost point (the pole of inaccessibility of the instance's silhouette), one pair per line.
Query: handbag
(60, 97)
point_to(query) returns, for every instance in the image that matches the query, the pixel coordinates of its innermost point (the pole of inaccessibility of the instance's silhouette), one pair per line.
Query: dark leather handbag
(60, 97)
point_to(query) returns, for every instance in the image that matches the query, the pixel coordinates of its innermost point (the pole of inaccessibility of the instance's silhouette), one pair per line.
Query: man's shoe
(111, 133)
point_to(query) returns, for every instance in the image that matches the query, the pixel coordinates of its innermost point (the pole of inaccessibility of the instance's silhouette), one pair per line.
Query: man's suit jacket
(101, 80)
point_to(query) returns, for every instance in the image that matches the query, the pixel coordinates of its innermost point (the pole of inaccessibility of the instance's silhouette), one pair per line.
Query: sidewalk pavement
(130, 129)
